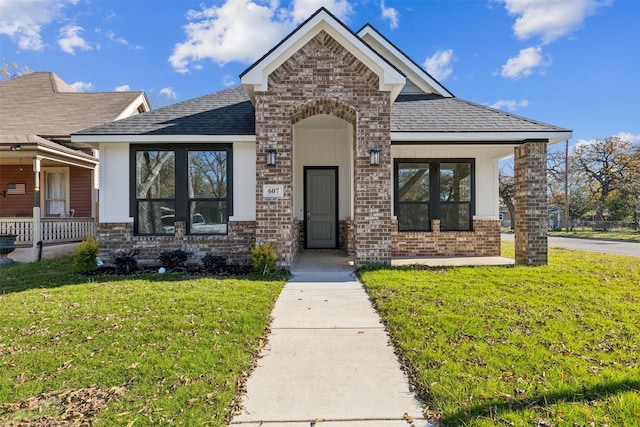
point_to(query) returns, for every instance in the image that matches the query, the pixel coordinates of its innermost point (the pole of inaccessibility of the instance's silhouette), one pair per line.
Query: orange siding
(80, 186)
(13, 205)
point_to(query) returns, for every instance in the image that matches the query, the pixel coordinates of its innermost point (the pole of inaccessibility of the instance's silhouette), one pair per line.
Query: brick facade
(322, 77)
(531, 211)
(235, 246)
(484, 240)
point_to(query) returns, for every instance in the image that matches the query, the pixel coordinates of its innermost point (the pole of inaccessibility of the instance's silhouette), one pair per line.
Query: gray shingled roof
(42, 104)
(228, 112)
(433, 113)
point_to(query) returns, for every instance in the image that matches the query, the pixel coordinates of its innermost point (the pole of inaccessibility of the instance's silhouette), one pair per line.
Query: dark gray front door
(321, 206)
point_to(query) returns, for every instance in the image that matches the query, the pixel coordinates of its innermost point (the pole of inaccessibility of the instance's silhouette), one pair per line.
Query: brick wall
(235, 246)
(484, 240)
(324, 78)
(531, 210)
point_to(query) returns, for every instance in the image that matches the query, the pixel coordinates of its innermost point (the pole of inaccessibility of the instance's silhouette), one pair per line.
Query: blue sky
(572, 63)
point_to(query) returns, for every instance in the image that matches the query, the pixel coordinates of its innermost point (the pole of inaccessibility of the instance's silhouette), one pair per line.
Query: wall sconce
(4, 193)
(374, 157)
(16, 147)
(271, 157)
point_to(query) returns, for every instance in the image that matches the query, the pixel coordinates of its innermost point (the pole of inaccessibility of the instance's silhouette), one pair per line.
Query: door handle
(308, 215)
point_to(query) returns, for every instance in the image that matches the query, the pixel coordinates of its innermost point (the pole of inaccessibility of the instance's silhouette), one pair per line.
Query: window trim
(181, 198)
(434, 189)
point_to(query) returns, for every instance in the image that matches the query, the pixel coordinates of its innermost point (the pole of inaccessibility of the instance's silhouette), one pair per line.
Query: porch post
(36, 202)
(531, 210)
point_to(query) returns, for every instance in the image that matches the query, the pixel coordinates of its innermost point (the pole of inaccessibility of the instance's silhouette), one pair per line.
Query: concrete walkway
(328, 361)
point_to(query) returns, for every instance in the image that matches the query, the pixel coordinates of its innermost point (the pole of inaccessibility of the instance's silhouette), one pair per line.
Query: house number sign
(273, 191)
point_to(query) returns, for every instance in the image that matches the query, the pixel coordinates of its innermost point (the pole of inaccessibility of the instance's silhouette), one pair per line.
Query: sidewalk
(328, 361)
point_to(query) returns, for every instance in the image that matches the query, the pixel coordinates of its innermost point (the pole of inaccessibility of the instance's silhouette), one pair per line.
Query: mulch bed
(73, 408)
(187, 271)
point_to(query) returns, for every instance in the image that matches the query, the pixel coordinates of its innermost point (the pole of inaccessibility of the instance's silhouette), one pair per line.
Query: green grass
(179, 347)
(551, 345)
(626, 235)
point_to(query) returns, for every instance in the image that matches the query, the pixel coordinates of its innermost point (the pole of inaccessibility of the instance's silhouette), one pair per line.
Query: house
(335, 139)
(48, 184)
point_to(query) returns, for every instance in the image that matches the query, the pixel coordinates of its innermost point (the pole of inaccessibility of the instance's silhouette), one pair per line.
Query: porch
(47, 230)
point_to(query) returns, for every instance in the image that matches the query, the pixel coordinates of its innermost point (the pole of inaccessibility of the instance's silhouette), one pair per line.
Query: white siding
(114, 182)
(323, 141)
(244, 181)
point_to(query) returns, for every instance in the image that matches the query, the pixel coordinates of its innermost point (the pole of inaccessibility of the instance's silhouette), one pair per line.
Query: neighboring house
(334, 140)
(42, 173)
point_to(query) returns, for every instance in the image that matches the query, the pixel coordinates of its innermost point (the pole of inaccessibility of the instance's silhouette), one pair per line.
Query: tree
(507, 192)
(13, 70)
(606, 166)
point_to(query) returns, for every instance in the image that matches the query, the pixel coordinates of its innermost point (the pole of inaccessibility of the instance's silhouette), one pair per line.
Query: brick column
(274, 216)
(531, 210)
(372, 201)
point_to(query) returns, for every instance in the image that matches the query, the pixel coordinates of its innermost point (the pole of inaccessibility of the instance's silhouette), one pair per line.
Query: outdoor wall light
(16, 148)
(374, 157)
(271, 157)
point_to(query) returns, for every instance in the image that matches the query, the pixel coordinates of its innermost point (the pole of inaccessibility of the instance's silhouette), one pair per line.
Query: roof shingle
(228, 112)
(41, 103)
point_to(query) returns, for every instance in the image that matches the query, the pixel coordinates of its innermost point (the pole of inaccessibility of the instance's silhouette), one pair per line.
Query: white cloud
(242, 30)
(525, 63)
(391, 14)
(510, 105)
(23, 20)
(69, 39)
(82, 86)
(228, 80)
(439, 64)
(550, 19)
(628, 136)
(625, 136)
(168, 93)
(121, 40)
(302, 9)
(123, 88)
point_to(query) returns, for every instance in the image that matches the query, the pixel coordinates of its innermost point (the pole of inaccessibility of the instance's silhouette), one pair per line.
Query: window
(427, 189)
(412, 192)
(181, 183)
(56, 188)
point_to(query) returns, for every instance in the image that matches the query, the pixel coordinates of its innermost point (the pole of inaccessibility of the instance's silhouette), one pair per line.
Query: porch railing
(52, 230)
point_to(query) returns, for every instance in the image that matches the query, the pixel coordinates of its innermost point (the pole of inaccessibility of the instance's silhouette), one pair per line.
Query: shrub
(213, 263)
(174, 258)
(264, 259)
(86, 255)
(125, 261)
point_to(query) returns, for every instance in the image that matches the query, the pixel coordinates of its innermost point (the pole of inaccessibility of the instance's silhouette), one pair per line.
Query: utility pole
(566, 185)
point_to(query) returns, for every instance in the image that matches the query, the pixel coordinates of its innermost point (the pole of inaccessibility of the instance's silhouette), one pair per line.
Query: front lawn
(140, 350)
(554, 345)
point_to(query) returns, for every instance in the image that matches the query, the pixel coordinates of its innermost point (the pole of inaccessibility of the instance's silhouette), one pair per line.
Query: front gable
(418, 80)
(256, 78)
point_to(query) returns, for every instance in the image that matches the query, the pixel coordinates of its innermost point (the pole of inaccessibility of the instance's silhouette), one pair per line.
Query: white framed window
(55, 192)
